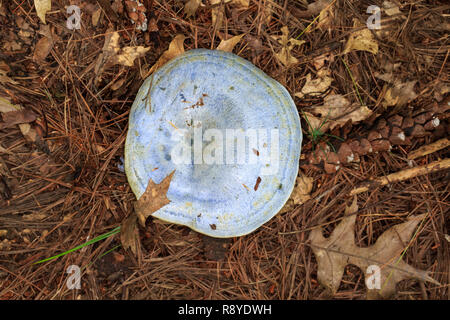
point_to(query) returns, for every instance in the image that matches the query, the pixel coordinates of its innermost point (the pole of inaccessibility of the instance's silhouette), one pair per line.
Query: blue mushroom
(231, 133)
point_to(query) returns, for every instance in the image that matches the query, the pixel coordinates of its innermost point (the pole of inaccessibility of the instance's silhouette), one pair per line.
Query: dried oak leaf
(191, 7)
(301, 192)
(287, 44)
(176, 47)
(27, 130)
(153, 199)
(42, 7)
(339, 250)
(317, 86)
(361, 40)
(400, 94)
(228, 45)
(336, 111)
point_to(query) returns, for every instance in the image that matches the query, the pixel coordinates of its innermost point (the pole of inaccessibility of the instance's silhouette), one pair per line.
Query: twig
(433, 147)
(402, 175)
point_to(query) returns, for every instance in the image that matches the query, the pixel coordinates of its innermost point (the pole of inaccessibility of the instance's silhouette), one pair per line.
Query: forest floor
(61, 151)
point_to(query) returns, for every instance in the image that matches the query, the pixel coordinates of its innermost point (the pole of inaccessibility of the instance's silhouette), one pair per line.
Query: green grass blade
(92, 241)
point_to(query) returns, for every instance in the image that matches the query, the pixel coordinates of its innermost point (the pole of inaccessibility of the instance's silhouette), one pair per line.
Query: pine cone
(395, 130)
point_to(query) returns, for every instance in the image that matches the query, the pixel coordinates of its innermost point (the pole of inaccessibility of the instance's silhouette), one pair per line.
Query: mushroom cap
(193, 93)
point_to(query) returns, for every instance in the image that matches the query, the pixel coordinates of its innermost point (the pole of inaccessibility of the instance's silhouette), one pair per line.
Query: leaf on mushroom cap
(153, 199)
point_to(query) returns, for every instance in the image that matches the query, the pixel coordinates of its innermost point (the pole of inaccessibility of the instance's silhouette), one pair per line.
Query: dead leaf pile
(336, 111)
(287, 44)
(339, 250)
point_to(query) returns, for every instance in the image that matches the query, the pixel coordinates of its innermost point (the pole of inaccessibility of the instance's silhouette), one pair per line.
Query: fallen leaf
(191, 7)
(42, 7)
(4, 69)
(118, 84)
(218, 10)
(176, 48)
(319, 62)
(361, 40)
(129, 236)
(12, 45)
(228, 45)
(12, 118)
(325, 11)
(336, 111)
(96, 16)
(317, 86)
(300, 194)
(129, 54)
(267, 11)
(287, 44)
(42, 49)
(26, 129)
(317, 6)
(333, 254)
(390, 8)
(124, 56)
(400, 94)
(217, 13)
(153, 199)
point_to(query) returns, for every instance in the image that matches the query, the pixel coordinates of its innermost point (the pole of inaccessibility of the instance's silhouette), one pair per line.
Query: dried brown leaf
(400, 94)
(176, 48)
(26, 129)
(124, 56)
(337, 110)
(42, 49)
(361, 40)
(301, 192)
(42, 7)
(129, 236)
(153, 199)
(228, 45)
(333, 254)
(316, 86)
(287, 44)
(17, 117)
(191, 7)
